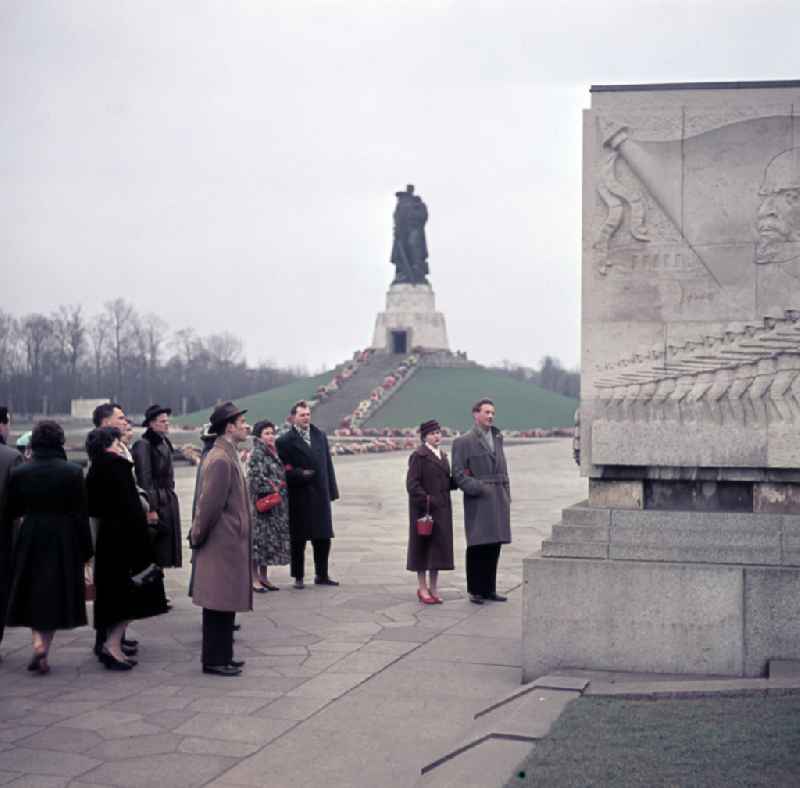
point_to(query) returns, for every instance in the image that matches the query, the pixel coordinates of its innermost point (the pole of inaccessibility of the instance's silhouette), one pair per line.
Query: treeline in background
(550, 375)
(48, 360)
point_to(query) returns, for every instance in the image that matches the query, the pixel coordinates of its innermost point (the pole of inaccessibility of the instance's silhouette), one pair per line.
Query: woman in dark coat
(123, 546)
(53, 543)
(428, 483)
(152, 454)
(266, 475)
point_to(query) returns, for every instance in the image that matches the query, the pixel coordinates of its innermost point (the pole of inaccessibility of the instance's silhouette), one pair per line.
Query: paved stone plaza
(354, 686)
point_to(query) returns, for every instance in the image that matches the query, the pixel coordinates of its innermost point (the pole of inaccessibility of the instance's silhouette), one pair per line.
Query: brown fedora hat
(222, 414)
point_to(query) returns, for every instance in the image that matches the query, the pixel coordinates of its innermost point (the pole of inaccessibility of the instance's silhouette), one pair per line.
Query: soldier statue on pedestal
(410, 250)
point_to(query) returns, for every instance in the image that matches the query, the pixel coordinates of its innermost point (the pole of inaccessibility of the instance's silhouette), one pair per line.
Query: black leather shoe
(130, 643)
(237, 663)
(494, 597)
(325, 581)
(299, 585)
(221, 670)
(112, 663)
(129, 651)
(475, 599)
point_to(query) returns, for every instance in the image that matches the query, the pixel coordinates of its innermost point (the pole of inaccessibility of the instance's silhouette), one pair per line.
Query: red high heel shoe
(427, 599)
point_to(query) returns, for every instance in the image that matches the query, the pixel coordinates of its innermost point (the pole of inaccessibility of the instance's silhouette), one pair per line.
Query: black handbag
(148, 575)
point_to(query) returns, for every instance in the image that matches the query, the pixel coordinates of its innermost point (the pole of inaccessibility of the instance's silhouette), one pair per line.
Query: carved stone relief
(751, 377)
(692, 226)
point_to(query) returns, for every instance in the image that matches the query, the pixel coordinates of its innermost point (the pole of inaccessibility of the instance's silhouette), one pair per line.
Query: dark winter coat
(483, 477)
(54, 542)
(309, 498)
(221, 533)
(152, 454)
(9, 459)
(123, 545)
(429, 478)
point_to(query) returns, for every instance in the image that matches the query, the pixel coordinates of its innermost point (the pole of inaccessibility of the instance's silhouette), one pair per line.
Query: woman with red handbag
(267, 480)
(430, 536)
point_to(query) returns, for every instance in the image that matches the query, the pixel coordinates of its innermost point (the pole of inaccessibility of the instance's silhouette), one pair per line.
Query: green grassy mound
(448, 395)
(272, 404)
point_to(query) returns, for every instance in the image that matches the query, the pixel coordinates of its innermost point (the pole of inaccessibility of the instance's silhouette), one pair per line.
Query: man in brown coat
(220, 537)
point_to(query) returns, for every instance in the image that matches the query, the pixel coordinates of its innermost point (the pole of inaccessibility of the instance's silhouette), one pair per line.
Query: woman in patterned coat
(266, 475)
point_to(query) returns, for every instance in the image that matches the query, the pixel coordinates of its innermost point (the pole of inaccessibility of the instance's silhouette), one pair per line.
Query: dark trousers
(482, 569)
(217, 637)
(322, 548)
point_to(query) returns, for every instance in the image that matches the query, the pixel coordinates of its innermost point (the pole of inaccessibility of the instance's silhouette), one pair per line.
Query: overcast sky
(232, 165)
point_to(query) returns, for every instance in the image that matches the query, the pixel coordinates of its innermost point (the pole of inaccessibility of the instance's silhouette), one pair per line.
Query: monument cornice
(760, 84)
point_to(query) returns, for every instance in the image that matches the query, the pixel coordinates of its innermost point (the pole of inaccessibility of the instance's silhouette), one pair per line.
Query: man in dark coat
(152, 455)
(8, 459)
(312, 486)
(480, 470)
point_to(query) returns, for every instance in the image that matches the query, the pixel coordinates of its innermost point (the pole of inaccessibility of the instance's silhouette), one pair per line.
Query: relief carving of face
(778, 217)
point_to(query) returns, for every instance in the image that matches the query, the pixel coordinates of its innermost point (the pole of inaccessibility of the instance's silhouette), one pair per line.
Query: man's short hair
(301, 403)
(47, 435)
(104, 411)
(480, 403)
(3, 414)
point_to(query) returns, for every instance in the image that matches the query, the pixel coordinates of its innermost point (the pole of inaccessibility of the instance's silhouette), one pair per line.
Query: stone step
(579, 533)
(551, 549)
(583, 514)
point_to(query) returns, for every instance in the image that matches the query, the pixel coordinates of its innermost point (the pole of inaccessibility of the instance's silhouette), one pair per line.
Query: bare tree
(98, 335)
(37, 334)
(69, 330)
(122, 320)
(9, 351)
(225, 349)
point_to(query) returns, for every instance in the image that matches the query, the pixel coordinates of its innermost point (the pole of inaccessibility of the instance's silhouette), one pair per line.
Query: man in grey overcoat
(222, 582)
(480, 471)
(8, 459)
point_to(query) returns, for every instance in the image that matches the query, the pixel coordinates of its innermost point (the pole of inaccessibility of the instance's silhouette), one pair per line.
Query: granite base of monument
(688, 592)
(410, 321)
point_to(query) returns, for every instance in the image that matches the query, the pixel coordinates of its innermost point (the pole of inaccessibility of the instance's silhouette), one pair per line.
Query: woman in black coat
(428, 483)
(53, 544)
(123, 547)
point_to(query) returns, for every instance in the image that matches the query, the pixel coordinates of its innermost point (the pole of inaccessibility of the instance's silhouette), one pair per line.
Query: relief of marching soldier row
(749, 377)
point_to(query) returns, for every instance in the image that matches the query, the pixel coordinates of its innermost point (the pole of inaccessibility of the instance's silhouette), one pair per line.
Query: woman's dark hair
(261, 426)
(47, 435)
(99, 439)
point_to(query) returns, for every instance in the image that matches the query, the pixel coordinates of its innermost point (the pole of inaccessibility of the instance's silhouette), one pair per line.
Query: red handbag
(425, 523)
(267, 502)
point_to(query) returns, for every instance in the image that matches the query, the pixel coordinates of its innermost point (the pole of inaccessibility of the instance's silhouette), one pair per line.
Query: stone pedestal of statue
(410, 321)
(686, 556)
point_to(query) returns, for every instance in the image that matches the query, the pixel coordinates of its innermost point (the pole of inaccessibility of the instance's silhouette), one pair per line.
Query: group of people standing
(113, 531)
(245, 518)
(480, 471)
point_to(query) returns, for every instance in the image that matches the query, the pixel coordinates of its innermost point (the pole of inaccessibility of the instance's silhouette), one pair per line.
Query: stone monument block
(410, 321)
(690, 389)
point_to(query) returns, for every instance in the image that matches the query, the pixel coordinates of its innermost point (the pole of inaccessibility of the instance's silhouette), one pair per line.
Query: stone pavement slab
(352, 686)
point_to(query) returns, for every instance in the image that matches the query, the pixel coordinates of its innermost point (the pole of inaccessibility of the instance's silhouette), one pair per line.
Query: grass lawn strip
(751, 741)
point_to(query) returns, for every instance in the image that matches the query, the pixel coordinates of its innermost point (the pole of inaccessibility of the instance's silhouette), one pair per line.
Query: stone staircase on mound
(328, 414)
